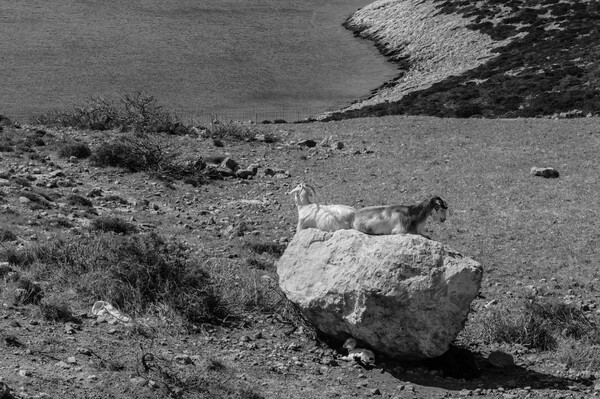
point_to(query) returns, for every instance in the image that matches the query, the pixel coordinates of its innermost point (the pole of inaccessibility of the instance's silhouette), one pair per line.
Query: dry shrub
(135, 273)
(75, 149)
(145, 154)
(134, 112)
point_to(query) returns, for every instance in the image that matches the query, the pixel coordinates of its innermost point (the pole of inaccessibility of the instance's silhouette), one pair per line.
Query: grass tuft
(261, 247)
(539, 325)
(7, 235)
(78, 200)
(114, 225)
(56, 310)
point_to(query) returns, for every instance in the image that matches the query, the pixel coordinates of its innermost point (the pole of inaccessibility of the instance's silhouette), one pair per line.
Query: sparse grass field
(163, 250)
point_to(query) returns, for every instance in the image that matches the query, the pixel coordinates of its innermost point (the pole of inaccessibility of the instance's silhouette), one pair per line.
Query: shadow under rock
(470, 370)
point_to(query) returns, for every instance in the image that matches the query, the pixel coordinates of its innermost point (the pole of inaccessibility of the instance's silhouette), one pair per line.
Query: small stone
(375, 391)
(95, 192)
(71, 360)
(294, 346)
(56, 174)
(138, 381)
(245, 338)
(550, 173)
(307, 143)
(25, 373)
(69, 328)
(244, 173)
(501, 359)
(84, 351)
(63, 365)
(183, 359)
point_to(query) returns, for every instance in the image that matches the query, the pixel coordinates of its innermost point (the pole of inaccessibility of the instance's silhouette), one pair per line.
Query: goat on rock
(322, 217)
(400, 219)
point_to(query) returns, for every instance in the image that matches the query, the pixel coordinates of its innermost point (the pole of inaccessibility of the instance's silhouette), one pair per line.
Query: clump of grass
(259, 264)
(7, 235)
(24, 257)
(137, 112)
(136, 273)
(59, 222)
(114, 225)
(261, 247)
(75, 149)
(23, 291)
(582, 355)
(523, 329)
(538, 325)
(78, 200)
(56, 310)
(6, 145)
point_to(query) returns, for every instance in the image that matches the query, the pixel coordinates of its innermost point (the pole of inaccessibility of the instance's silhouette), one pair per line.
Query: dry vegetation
(195, 264)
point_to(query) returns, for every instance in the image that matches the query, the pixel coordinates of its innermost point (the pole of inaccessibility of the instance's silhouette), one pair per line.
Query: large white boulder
(404, 295)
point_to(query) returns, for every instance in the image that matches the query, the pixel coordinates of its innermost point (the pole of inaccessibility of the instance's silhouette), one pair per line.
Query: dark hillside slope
(551, 66)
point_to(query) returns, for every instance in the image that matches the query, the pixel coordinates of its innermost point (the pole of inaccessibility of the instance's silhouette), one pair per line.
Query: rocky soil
(359, 162)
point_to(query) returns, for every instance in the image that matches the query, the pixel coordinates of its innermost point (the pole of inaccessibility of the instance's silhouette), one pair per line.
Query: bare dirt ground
(534, 237)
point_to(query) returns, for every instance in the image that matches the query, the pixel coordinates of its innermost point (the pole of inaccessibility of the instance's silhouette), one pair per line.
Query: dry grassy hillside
(141, 221)
(486, 58)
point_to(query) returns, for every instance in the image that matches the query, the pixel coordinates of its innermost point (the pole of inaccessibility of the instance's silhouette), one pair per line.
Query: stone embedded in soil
(550, 173)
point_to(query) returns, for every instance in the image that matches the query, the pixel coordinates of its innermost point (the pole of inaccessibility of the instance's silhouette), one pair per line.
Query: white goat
(400, 219)
(323, 217)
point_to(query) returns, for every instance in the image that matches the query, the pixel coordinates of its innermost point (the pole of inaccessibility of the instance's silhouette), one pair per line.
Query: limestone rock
(403, 295)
